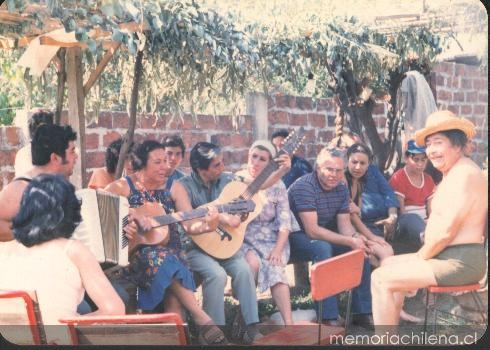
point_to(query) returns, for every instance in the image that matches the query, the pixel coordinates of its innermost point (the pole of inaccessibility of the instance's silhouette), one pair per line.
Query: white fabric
(23, 160)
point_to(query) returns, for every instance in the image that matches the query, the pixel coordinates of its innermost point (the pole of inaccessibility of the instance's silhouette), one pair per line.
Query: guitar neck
(188, 215)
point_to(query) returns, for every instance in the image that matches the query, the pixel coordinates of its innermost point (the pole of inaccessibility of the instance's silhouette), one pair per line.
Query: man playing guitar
(204, 185)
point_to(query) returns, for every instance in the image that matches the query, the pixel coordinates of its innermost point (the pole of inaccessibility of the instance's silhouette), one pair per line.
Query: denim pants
(214, 275)
(304, 248)
(407, 235)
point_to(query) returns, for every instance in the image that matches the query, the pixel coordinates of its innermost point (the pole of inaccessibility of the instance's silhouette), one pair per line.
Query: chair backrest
(20, 318)
(337, 274)
(147, 329)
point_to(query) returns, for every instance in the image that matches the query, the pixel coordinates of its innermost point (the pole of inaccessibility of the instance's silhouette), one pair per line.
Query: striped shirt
(306, 194)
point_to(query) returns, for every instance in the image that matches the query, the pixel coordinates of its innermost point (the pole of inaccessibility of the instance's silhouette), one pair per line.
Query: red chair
(436, 290)
(328, 278)
(147, 329)
(20, 318)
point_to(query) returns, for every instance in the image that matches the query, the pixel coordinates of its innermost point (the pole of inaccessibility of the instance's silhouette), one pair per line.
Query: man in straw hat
(453, 251)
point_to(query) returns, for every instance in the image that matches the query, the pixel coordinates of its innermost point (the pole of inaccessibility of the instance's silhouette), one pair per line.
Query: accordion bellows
(104, 215)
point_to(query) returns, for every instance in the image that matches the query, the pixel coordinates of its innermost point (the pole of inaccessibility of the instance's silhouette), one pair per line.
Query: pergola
(49, 45)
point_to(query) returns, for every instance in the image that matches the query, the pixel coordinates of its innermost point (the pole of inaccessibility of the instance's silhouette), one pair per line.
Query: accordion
(103, 217)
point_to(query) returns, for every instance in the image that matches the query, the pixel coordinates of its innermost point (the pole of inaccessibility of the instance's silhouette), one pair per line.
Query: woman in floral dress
(266, 245)
(160, 270)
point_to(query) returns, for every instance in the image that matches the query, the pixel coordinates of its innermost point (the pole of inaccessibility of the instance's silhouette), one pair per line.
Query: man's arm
(314, 231)
(10, 198)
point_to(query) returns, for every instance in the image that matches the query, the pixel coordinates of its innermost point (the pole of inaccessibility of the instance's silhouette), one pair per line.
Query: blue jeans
(214, 275)
(304, 248)
(87, 305)
(407, 235)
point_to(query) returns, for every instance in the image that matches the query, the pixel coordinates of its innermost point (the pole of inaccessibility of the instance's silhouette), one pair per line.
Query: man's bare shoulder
(119, 187)
(467, 169)
(13, 190)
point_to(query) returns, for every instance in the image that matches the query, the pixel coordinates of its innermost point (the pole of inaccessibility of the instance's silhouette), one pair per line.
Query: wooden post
(76, 110)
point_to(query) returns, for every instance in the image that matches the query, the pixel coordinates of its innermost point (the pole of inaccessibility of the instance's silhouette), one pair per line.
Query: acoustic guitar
(158, 234)
(226, 240)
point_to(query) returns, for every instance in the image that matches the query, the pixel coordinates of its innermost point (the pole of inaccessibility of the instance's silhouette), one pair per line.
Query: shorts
(459, 264)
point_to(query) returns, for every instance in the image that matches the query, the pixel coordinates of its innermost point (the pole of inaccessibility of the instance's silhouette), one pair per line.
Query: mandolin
(158, 234)
(225, 241)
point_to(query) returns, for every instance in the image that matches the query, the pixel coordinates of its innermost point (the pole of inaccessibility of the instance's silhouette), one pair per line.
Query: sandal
(238, 327)
(210, 334)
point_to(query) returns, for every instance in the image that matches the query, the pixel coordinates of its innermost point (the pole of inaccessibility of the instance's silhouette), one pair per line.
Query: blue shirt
(177, 174)
(377, 196)
(306, 194)
(299, 167)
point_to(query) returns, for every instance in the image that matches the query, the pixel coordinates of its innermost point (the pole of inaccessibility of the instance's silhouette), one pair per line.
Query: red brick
(206, 122)
(221, 140)
(455, 83)
(324, 104)
(471, 96)
(466, 110)
(120, 120)
(481, 84)
(145, 122)
(483, 97)
(105, 120)
(12, 134)
(461, 70)
(444, 95)
(278, 117)
(7, 157)
(95, 159)
(324, 136)
(246, 122)
(331, 120)
(466, 83)
(297, 119)
(91, 141)
(109, 137)
(291, 101)
(440, 80)
(304, 103)
(225, 122)
(281, 101)
(316, 120)
(479, 109)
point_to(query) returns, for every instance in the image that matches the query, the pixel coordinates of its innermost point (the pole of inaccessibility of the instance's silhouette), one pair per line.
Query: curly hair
(139, 156)
(49, 209)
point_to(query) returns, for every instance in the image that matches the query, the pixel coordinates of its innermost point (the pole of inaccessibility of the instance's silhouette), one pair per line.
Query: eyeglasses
(332, 170)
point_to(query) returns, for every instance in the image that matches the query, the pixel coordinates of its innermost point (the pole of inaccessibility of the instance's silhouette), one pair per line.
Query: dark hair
(174, 141)
(50, 139)
(359, 148)
(49, 209)
(112, 154)
(456, 137)
(280, 133)
(39, 118)
(202, 154)
(139, 157)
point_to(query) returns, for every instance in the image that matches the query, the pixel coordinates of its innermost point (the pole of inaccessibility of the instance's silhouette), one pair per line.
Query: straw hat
(441, 121)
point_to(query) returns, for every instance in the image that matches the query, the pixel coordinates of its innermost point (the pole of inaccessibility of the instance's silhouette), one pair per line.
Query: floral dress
(261, 235)
(153, 267)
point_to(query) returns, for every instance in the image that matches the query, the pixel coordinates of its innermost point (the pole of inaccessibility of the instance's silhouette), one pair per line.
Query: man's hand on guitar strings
(284, 162)
(138, 223)
(212, 217)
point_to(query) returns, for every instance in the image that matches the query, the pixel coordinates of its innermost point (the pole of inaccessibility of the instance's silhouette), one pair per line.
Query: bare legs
(189, 302)
(280, 295)
(279, 291)
(390, 283)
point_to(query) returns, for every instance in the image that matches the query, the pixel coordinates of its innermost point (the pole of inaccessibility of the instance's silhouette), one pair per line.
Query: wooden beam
(76, 108)
(94, 75)
(47, 40)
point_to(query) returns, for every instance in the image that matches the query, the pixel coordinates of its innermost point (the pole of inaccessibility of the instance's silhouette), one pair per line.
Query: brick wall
(460, 88)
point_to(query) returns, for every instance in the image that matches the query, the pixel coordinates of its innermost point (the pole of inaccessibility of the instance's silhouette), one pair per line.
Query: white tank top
(47, 269)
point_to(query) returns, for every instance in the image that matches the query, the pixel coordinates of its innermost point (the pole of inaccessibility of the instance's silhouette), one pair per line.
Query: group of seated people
(341, 203)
